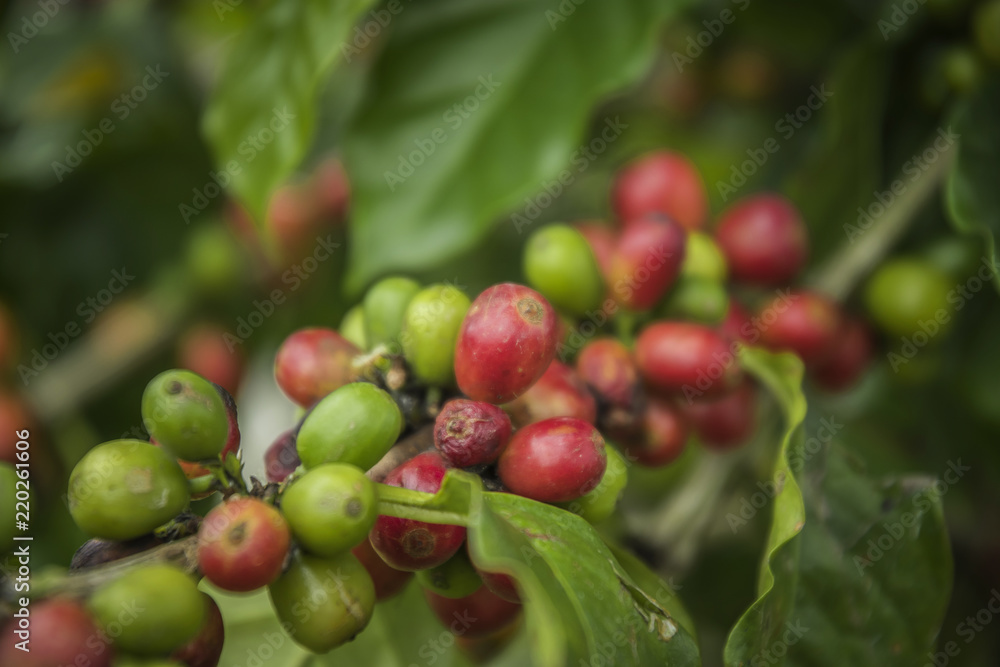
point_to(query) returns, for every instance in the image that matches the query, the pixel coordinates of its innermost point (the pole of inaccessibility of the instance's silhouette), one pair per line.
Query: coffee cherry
(727, 422)
(206, 648)
(331, 508)
(338, 594)
(697, 300)
(646, 261)
(186, 415)
(62, 633)
(663, 435)
(907, 295)
(203, 350)
(352, 327)
(608, 368)
(384, 308)
(559, 263)
(311, 363)
(703, 259)
(848, 359)
(506, 342)
(281, 458)
(481, 613)
(554, 460)
(411, 545)
(688, 358)
(661, 182)
(805, 323)
(502, 585)
(558, 393)
(8, 518)
(233, 439)
(455, 578)
(986, 27)
(430, 329)
(242, 544)
(388, 580)
(737, 326)
(356, 424)
(470, 433)
(215, 263)
(600, 503)
(764, 240)
(125, 488)
(150, 610)
(602, 240)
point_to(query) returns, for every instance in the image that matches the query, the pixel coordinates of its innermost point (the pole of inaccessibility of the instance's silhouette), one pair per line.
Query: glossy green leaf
(261, 116)
(973, 199)
(476, 105)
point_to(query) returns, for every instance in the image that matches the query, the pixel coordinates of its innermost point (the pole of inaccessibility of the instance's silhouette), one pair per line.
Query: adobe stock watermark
(87, 311)
(696, 44)
(454, 117)
(378, 20)
(786, 127)
(581, 158)
(30, 25)
(923, 501)
(248, 150)
(958, 296)
(900, 14)
(914, 169)
(968, 629)
(121, 108)
(776, 652)
(561, 13)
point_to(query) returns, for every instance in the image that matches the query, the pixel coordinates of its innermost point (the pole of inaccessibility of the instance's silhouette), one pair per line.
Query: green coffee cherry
(330, 509)
(126, 488)
(600, 503)
(430, 329)
(214, 260)
(908, 295)
(8, 516)
(455, 578)
(184, 413)
(703, 259)
(559, 263)
(150, 610)
(384, 306)
(697, 299)
(337, 593)
(352, 327)
(986, 25)
(357, 424)
(963, 69)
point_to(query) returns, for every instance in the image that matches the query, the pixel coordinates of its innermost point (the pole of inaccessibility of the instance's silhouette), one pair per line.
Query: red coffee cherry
(558, 393)
(805, 323)
(602, 240)
(764, 240)
(411, 545)
(689, 358)
(663, 437)
(608, 368)
(850, 356)
(62, 633)
(478, 615)
(737, 325)
(646, 261)
(281, 458)
(661, 182)
(388, 580)
(727, 422)
(311, 363)
(242, 545)
(470, 433)
(500, 584)
(554, 460)
(203, 349)
(205, 649)
(507, 340)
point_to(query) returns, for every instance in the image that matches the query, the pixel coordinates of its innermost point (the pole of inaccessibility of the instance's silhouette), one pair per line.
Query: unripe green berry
(214, 260)
(559, 263)
(430, 329)
(703, 259)
(185, 413)
(697, 299)
(600, 503)
(352, 327)
(384, 306)
(905, 293)
(455, 578)
(986, 25)
(331, 508)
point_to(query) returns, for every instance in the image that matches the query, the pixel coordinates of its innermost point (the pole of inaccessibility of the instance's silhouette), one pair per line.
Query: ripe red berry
(663, 436)
(281, 458)
(311, 363)
(205, 649)
(203, 349)
(411, 545)
(602, 240)
(388, 580)
(242, 544)
(737, 325)
(507, 340)
(646, 261)
(500, 584)
(608, 368)
(554, 460)
(764, 240)
(478, 615)
(661, 182)
(63, 633)
(470, 433)
(558, 393)
(805, 323)
(689, 358)
(727, 422)
(850, 356)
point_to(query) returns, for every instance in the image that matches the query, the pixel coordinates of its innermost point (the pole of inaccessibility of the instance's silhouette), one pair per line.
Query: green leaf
(482, 101)
(261, 116)
(857, 570)
(972, 196)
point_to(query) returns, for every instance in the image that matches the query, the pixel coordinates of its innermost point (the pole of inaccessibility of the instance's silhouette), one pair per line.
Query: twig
(420, 441)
